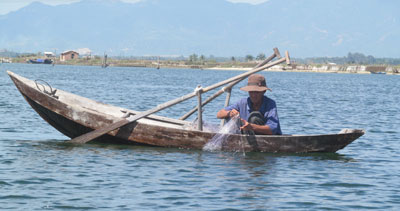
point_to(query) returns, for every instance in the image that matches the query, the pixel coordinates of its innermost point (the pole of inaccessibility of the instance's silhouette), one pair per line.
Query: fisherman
(258, 113)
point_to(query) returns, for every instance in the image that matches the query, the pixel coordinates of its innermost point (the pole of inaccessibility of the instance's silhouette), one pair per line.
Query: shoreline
(295, 70)
(341, 69)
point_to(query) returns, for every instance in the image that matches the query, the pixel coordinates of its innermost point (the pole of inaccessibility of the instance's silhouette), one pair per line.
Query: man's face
(256, 97)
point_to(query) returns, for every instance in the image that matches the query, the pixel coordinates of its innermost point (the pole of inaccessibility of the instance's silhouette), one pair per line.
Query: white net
(231, 127)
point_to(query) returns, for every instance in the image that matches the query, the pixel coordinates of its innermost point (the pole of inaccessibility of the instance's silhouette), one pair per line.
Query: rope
(52, 92)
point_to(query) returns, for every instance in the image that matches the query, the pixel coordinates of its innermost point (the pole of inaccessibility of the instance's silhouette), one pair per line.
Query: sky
(7, 6)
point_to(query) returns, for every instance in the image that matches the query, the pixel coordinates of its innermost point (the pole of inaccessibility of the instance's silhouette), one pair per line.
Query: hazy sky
(7, 6)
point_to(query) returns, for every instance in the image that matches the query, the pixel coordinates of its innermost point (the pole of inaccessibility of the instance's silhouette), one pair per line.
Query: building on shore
(48, 54)
(5, 60)
(69, 55)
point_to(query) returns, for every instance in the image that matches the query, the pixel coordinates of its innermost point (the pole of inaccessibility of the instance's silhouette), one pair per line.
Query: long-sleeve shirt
(268, 109)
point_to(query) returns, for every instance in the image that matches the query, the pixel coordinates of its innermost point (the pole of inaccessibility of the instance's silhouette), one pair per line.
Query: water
(40, 172)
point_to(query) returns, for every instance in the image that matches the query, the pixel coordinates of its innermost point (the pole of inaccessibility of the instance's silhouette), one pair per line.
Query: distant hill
(307, 28)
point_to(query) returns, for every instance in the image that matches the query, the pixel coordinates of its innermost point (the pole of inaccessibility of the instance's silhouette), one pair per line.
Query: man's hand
(258, 129)
(224, 114)
(232, 113)
(246, 125)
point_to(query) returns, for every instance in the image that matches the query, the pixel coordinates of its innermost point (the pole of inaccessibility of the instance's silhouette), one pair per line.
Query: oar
(104, 130)
(229, 86)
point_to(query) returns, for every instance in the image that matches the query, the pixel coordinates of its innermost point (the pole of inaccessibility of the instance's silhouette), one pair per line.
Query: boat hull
(74, 115)
(40, 61)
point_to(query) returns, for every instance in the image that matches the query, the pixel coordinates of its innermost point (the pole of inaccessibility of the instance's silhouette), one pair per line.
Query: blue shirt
(268, 109)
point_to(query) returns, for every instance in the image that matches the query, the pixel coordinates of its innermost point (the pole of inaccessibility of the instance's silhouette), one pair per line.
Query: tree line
(351, 58)
(194, 58)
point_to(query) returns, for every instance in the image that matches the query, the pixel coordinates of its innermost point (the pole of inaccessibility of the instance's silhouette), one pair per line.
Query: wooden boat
(74, 115)
(381, 73)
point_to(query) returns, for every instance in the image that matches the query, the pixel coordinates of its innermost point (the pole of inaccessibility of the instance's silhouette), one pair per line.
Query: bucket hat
(256, 82)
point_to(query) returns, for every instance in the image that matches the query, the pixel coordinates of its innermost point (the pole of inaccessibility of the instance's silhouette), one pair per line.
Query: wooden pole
(275, 54)
(287, 57)
(199, 111)
(227, 99)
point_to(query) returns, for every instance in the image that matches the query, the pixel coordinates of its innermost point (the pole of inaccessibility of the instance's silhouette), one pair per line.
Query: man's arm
(260, 129)
(223, 114)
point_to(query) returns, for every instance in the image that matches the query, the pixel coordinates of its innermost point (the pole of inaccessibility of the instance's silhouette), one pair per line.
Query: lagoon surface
(40, 172)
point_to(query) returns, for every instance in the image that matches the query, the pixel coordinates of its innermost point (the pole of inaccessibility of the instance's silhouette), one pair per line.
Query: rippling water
(40, 172)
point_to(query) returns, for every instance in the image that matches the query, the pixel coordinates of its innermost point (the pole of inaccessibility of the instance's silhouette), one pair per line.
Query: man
(258, 113)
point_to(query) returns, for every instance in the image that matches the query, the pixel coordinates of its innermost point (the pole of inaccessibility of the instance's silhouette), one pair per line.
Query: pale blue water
(39, 172)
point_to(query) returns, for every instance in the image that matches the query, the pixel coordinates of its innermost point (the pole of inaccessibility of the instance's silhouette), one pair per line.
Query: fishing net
(231, 127)
(207, 126)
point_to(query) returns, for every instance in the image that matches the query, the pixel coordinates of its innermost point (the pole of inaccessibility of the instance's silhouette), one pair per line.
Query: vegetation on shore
(351, 58)
(149, 61)
(356, 61)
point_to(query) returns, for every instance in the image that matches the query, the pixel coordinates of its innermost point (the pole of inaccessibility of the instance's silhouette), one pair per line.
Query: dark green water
(40, 172)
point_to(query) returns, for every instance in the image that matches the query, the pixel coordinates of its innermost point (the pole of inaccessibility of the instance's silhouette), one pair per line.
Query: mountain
(305, 28)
